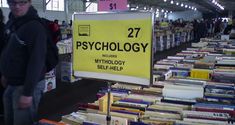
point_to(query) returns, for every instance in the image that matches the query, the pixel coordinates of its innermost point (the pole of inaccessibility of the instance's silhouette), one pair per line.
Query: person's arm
(36, 64)
(36, 59)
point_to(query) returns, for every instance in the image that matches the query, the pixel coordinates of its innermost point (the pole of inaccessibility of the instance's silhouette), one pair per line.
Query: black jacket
(23, 59)
(2, 36)
(228, 29)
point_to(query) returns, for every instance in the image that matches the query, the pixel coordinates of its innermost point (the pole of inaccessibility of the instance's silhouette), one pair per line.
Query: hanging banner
(113, 46)
(112, 5)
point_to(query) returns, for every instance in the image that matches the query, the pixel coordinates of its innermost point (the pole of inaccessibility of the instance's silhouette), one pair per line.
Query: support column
(230, 14)
(66, 10)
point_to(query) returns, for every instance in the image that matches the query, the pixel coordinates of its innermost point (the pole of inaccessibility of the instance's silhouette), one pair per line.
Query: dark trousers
(1, 99)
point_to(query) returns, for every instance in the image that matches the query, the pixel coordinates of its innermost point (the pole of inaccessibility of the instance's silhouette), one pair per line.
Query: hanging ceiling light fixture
(217, 4)
(182, 4)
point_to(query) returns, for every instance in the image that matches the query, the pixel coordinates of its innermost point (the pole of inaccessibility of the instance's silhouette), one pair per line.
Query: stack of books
(224, 93)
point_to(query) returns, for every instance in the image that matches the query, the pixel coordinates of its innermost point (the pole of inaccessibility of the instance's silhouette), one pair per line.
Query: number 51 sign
(112, 5)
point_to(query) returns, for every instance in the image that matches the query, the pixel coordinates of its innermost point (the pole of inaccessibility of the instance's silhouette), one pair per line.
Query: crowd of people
(201, 28)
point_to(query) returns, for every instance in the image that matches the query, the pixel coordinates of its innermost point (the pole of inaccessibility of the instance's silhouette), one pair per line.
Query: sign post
(113, 46)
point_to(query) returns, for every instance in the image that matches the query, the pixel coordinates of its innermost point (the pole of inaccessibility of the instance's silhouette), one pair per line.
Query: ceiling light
(195, 9)
(172, 2)
(177, 3)
(165, 0)
(145, 8)
(157, 10)
(137, 7)
(182, 4)
(157, 15)
(162, 10)
(170, 11)
(189, 7)
(165, 16)
(186, 6)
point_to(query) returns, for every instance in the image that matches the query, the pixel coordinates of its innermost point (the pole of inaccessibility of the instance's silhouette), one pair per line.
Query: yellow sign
(113, 48)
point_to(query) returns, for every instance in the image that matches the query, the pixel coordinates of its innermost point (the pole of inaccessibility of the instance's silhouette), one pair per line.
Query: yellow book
(103, 102)
(200, 74)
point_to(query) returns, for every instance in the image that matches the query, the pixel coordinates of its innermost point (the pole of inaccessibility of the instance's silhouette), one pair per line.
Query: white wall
(186, 15)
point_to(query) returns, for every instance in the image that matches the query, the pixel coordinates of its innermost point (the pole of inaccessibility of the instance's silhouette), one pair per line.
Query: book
(200, 74)
(182, 91)
(179, 122)
(101, 119)
(162, 115)
(49, 122)
(206, 115)
(74, 118)
(205, 121)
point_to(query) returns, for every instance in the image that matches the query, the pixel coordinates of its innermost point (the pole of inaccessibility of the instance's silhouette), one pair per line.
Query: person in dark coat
(22, 63)
(230, 27)
(2, 40)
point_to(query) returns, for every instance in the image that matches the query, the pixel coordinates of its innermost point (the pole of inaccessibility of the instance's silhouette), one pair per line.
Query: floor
(64, 98)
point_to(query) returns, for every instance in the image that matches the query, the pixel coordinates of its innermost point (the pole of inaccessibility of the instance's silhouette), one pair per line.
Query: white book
(182, 87)
(178, 122)
(144, 97)
(200, 114)
(175, 57)
(206, 121)
(162, 115)
(101, 119)
(188, 82)
(192, 49)
(158, 66)
(188, 51)
(228, 50)
(182, 93)
(132, 104)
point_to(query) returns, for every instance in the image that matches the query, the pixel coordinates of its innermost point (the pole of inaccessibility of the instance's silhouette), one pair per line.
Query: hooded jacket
(23, 58)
